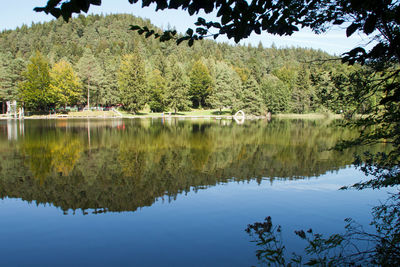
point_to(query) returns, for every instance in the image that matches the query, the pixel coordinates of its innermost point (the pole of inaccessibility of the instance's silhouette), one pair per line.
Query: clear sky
(16, 13)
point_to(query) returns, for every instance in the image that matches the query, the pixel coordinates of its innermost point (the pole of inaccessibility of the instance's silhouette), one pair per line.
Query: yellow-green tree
(35, 91)
(200, 84)
(65, 83)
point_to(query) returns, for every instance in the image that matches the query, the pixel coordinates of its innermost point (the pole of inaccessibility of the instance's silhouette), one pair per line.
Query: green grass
(92, 114)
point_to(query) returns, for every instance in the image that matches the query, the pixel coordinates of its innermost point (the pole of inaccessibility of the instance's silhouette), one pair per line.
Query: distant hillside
(277, 80)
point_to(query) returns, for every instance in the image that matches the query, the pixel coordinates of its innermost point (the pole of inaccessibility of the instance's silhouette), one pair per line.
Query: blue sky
(16, 13)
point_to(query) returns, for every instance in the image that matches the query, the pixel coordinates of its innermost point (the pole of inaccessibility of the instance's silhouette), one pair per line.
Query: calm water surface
(168, 193)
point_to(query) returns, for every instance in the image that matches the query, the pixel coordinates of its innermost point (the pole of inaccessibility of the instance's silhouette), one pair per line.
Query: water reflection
(122, 165)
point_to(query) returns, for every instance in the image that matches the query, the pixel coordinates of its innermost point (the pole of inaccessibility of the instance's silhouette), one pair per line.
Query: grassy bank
(192, 113)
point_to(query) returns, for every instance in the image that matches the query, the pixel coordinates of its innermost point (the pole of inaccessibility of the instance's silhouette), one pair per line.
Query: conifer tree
(91, 75)
(178, 88)
(5, 81)
(10, 76)
(227, 81)
(110, 64)
(132, 82)
(301, 92)
(250, 101)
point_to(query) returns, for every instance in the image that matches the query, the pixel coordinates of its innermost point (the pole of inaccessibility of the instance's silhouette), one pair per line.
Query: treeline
(97, 59)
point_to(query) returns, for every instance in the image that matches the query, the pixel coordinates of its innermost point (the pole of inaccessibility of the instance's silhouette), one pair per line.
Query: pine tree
(178, 88)
(10, 76)
(132, 82)
(227, 81)
(251, 101)
(301, 93)
(110, 65)
(91, 76)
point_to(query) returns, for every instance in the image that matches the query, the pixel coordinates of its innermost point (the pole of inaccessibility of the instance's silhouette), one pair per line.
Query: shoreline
(308, 116)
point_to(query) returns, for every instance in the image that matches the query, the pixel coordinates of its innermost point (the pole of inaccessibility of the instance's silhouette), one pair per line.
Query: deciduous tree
(65, 84)
(35, 91)
(200, 84)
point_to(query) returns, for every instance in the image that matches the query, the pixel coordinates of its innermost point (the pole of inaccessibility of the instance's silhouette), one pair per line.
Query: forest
(97, 61)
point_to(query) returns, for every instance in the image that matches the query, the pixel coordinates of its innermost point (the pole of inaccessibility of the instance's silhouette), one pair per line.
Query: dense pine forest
(56, 64)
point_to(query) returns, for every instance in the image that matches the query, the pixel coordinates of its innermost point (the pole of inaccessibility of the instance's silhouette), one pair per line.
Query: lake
(159, 192)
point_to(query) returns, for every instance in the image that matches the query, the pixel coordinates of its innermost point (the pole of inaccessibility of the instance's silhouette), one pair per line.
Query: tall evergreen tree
(227, 81)
(91, 75)
(132, 82)
(301, 93)
(251, 101)
(10, 76)
(110, 65)
(5, 81)
(178, 87)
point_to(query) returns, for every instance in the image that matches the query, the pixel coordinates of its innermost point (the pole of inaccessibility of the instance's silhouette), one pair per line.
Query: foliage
(355, 247)
(95, 44)
(90, 74)
(157, 91)
(65, 84)
(200, 84)
(131, 82)
(226, 83)
(178, 87)
(35, 91)
(250, 99)
(10, 76)
(275, 95)
(301, 93)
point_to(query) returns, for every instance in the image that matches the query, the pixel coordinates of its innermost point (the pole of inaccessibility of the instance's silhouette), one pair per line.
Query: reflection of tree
(132, 168)
(355, 247)
(51, 154)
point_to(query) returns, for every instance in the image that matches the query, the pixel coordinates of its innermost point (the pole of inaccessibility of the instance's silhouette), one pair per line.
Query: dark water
(168, 193)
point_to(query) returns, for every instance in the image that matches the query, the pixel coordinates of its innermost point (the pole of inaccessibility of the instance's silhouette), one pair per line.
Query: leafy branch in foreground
(238, 19)
(381, 124)
(355, 247)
